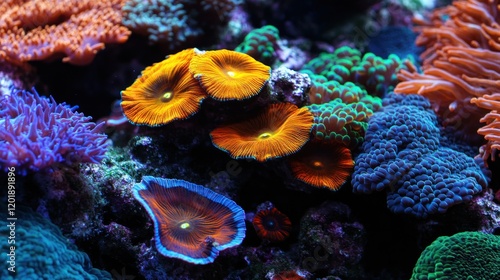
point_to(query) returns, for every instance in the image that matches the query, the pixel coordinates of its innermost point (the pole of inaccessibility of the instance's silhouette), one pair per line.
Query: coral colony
(249, 139)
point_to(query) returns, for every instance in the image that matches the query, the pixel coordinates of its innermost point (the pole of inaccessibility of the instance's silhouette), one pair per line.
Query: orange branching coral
(46, 29)
(323, 164)
(164, 92)
(229, 75)
(460, 61)
(282, 129)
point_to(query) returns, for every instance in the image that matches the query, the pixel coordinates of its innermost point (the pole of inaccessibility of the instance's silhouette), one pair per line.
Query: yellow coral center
(317, 164)
(231, 74)
(265, 135)
(185, 225)
(167, 96)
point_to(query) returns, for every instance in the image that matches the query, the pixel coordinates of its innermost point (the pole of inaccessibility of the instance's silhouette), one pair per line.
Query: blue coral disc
(191, 222)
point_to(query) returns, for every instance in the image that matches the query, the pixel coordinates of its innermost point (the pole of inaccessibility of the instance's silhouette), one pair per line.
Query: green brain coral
(465, 255)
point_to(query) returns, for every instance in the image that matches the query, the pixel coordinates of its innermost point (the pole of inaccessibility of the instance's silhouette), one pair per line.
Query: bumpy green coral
(340, 122)
(40, 250)
(260, 44)
(323, 91)
(345, 64)
(465, 255)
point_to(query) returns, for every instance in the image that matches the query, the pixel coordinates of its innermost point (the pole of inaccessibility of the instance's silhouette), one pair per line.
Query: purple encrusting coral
(36, 132)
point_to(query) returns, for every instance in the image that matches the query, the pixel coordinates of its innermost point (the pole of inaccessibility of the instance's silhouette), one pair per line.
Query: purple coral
(36, 132)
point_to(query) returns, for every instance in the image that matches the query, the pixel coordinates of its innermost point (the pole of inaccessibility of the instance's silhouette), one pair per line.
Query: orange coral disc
(272, 225)
(280, 130)
(191, 222)
(229, 75)
(164, 92)
(323, 164)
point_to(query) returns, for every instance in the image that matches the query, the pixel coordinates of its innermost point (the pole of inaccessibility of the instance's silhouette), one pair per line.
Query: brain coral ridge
(403, 154)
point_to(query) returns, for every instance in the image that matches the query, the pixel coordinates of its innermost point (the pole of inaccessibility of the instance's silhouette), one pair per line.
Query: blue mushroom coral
(404, 154)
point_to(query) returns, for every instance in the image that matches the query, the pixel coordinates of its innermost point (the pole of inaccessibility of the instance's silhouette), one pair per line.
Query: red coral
(46, 29)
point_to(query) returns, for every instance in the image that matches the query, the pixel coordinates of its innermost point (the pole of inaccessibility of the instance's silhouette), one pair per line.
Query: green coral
(465, 255)
(41, 251)
(261, 44)
(340, 122)
(374, 74)
(323, 91)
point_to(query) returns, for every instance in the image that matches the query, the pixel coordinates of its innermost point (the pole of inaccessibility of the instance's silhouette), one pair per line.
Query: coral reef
(242, 151)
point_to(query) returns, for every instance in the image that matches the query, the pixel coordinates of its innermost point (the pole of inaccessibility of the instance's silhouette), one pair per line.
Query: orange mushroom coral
(323, 164)
(282, 129)
(229, 75)
(191, 222)
(165, 92)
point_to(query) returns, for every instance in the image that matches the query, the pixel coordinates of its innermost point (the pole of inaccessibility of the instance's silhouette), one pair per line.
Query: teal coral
(42, 252)
(465, 255)
(261, 44)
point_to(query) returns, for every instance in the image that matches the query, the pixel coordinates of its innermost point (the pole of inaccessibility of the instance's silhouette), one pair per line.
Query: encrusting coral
(47, 29)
